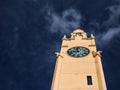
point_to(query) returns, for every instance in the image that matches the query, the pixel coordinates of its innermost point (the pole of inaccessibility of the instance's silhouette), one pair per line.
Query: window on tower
(89, 80)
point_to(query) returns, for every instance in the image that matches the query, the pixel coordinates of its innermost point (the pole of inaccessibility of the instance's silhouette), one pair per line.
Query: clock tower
(78, 64)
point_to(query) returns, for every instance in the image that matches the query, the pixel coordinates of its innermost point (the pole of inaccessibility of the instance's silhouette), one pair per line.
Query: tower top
(78, 32)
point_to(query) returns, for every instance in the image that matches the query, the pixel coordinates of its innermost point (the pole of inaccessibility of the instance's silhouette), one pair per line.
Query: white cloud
(65, 22)
(70, 19)
(109, 35)
(114, 17)
(103, 39)
(111, 26)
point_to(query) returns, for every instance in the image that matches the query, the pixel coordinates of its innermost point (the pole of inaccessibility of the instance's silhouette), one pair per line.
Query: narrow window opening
(89, 80)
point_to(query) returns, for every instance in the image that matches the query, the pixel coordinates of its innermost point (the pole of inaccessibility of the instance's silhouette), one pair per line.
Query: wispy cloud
(103, 39)
(70, 19)
(65, 22)
(114, 17)
(109, 35)
(111, 26)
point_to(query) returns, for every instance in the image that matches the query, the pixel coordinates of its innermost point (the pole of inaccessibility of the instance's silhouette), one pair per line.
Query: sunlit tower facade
(78, 64)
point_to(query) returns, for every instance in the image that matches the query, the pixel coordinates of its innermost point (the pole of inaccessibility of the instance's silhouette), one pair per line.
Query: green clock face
(78, 51)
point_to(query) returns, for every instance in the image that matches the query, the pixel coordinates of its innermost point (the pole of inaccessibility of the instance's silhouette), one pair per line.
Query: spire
(92, 36)
(64, 37)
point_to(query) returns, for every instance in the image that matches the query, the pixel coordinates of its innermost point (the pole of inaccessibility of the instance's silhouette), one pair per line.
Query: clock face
(78, 51)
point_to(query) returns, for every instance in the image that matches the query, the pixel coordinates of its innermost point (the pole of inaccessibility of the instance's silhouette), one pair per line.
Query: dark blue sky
(31, 32)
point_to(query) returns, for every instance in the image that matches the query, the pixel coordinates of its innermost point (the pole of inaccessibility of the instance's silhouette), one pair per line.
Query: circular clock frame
(78, 51)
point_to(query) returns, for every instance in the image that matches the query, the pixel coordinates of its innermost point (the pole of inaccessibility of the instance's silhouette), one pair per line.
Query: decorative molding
(64, 45)
(92, 45)
(86, 38)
